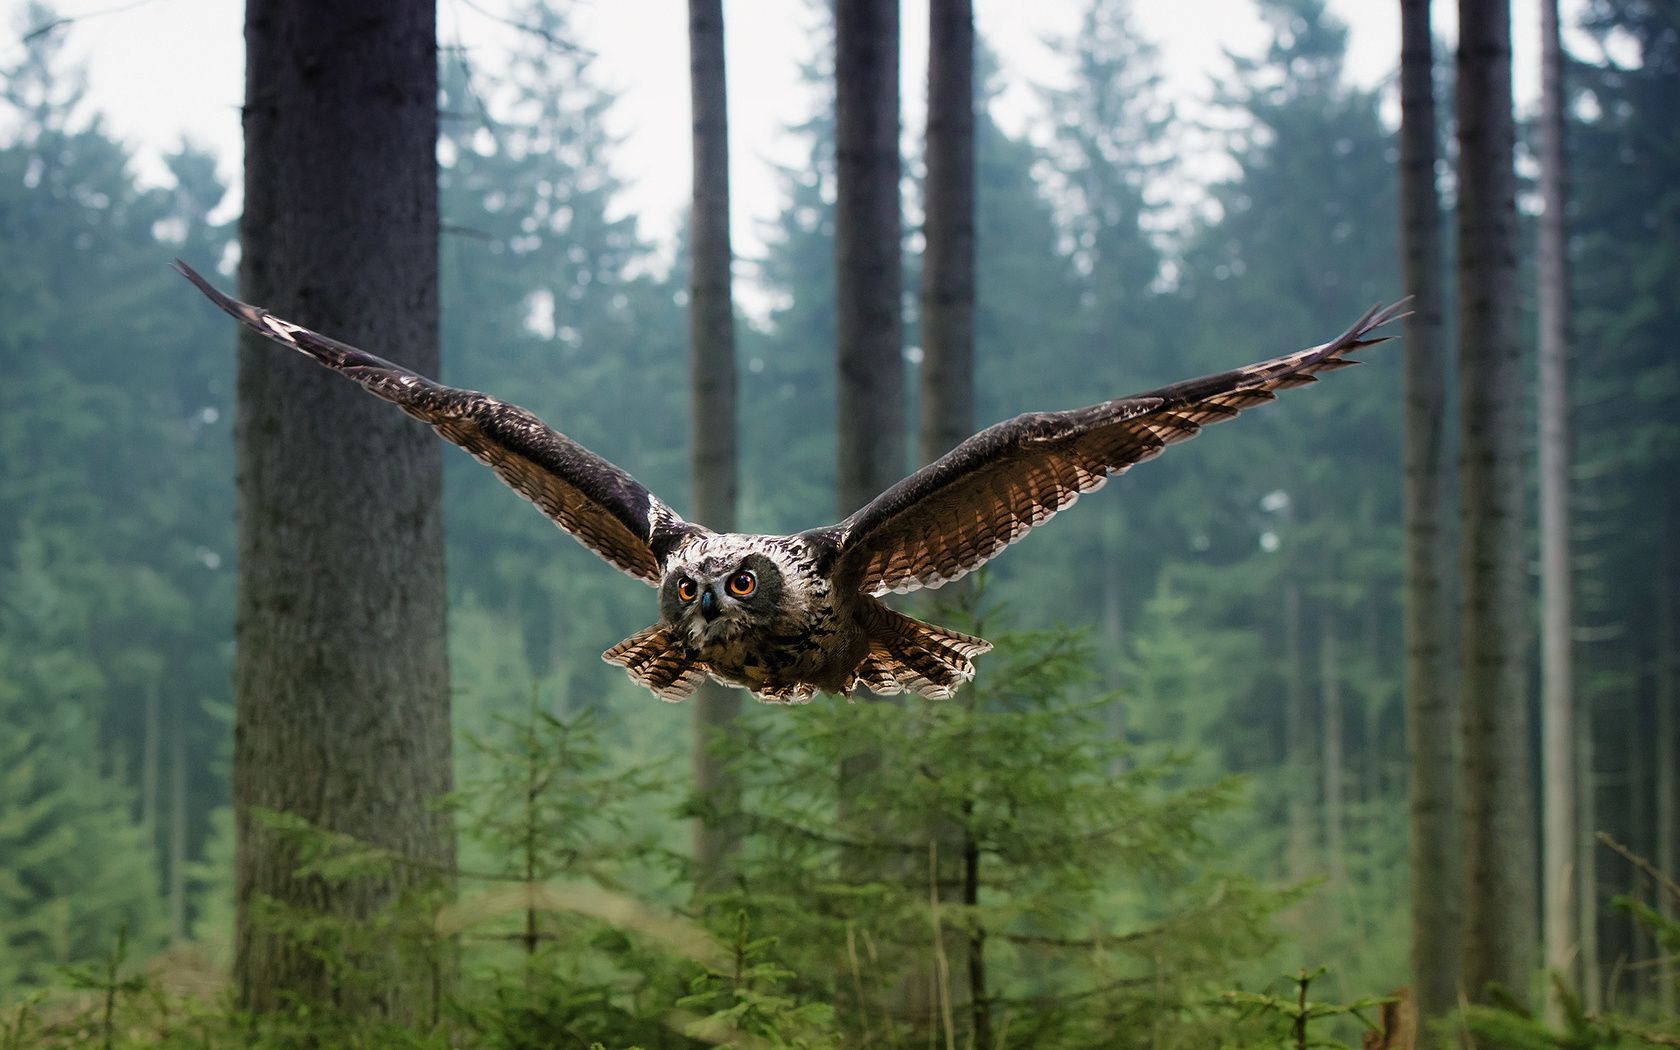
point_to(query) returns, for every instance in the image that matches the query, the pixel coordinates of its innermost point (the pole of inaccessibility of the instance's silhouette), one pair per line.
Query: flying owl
(787, 616)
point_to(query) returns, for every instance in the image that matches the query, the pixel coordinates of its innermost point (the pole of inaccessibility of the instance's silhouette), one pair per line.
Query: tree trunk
(1298, 864)
(1586, 863)
(178, 819)
(947, 373)
(341, 680)
(712, 418)
(1667, 750)
(1431, 708)
(868, 281)
(869, 278)
(1557, 617)
(947, 417)
(1501, 895)
(1330, 693)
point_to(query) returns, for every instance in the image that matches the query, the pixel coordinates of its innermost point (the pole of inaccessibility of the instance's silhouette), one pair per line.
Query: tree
(869, 280)
(712, 422)
(1557, 618)
(1500, 897)
(341, 677)
(869, 272)
(947, 295)
(1431, 722)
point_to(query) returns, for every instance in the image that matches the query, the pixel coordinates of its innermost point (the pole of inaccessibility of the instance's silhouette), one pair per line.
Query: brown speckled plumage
(811, 621)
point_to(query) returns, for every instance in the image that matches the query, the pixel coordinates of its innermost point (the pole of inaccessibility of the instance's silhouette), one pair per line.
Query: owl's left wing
(601, 505)
(955, 514)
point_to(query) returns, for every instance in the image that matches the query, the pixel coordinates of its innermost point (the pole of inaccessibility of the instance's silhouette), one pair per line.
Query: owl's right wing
(602, 506)
(957, 513)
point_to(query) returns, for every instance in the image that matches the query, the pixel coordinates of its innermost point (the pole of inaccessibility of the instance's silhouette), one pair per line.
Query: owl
(787, 617)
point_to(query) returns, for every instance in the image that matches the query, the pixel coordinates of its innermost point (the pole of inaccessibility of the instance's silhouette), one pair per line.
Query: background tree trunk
(947, 372)
(341, 679)
(1334, 728)
(1667, 750)
(869, 327)
(946, 417)
(712, 422)
(1430, 694)
(1557, 605)
(1500, 881)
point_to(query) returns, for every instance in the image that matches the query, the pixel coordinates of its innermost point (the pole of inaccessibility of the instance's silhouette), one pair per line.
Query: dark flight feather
(955, 514)
(605, 508)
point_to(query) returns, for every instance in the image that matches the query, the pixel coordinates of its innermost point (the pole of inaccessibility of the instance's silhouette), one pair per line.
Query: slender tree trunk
(1334, 728)
(712, 418)
(1501, 895)
(1557, 616)
(178, 819)
(1586, 862)
(1431, 702)
(341, 681)
(149, 762)
(947, 398)
(947, 372)
(1667, 750)
(1299, 862)
(869, 285)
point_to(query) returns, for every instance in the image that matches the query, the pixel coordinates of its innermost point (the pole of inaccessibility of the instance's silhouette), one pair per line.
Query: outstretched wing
(956, 513)
(605, 508)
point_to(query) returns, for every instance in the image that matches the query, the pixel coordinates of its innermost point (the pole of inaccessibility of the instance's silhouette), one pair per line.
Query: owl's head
(717, 594)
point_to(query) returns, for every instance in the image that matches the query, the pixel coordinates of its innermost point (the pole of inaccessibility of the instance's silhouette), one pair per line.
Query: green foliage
(1294, 1019)
(76, 868)
(1075, 871)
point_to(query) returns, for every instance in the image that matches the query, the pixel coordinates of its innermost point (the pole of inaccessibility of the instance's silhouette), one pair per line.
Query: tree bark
(1298, 863)
(1501, 895)
(177, 885)
(947, 372)
(1431, 707)
(1557, 617)
(712, 422)
(341, 680)
(869, 282)
(1334, 728)
(1667, 749)
(869, 291)
(946, 417)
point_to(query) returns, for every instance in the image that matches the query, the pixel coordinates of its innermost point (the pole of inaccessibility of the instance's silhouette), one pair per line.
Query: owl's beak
(708, 604)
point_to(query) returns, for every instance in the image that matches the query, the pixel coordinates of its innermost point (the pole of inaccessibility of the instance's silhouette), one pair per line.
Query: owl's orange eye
(687, 590)
(743, 584)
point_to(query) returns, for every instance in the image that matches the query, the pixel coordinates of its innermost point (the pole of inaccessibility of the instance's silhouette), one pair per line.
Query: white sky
(161, 70)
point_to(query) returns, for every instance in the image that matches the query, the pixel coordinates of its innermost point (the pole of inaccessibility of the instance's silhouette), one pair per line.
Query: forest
(1351, 723)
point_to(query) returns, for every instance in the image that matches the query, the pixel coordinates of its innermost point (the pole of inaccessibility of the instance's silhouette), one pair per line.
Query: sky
(164, 70)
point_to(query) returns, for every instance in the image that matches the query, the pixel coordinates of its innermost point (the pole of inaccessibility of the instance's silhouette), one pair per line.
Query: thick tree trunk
(869, 279)
(1431, 707)
(869, 289)
(340, 677)
(1501, 895)
(712, 422)
(1557, 617)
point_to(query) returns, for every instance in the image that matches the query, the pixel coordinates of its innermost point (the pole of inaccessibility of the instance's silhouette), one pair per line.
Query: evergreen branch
(1663, 881)
(553, 40)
